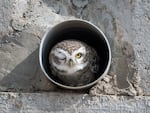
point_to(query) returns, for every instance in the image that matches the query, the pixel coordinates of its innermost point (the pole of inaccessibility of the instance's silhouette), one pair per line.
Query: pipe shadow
(27, 76)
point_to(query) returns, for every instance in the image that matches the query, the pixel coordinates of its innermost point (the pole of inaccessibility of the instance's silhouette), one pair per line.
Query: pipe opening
(78, 30)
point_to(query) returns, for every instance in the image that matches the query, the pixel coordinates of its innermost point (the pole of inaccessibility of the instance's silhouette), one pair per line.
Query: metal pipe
(81, 30)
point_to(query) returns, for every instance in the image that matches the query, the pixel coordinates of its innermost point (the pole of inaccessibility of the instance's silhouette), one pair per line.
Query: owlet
(74, 62)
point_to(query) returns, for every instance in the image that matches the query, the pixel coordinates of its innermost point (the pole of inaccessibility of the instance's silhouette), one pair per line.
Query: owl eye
(78, 55)
(60, 55)
(62, 58)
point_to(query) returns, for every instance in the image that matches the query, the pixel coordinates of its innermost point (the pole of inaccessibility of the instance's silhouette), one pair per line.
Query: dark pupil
(78, 55)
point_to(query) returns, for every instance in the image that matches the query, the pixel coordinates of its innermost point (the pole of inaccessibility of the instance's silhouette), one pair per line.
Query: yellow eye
(78, 55)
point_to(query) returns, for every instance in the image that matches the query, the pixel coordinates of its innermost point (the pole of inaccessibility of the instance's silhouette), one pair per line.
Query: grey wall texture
(126, 23)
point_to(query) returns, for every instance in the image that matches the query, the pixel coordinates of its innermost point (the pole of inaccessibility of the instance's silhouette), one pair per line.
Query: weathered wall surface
(24, 22)
(71, 103)
(125, 23)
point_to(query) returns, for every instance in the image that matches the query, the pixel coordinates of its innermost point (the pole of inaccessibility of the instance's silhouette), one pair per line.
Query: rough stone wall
(71, 103)
(124, 22)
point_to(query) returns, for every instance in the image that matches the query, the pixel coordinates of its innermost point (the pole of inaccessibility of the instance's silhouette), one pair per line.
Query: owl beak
(70, 63)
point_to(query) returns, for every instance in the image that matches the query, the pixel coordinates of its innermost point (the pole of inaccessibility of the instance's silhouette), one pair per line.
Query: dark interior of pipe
(90, 37)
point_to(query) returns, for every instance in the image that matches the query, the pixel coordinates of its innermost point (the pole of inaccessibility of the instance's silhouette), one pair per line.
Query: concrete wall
(71, 103)
(124, 22)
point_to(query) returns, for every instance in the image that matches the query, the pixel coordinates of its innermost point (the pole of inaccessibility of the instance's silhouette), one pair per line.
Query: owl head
(69, 56)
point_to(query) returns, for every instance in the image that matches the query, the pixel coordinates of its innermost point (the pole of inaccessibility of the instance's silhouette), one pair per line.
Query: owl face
(68, 58)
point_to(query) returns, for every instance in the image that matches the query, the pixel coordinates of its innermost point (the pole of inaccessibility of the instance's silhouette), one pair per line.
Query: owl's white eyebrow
(58, 50)
(62, 51)
(81, 49)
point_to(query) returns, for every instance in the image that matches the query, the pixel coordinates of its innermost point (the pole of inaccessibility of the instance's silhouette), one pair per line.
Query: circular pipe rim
(77, 87)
